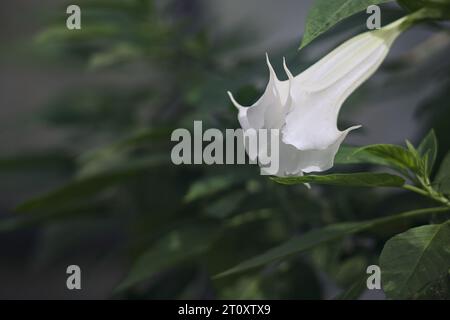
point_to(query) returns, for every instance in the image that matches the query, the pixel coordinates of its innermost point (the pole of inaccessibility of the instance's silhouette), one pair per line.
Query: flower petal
(346, 57)
(296, 162)
(322, 160)
(319, 92)
(269, 111)
(306, 107)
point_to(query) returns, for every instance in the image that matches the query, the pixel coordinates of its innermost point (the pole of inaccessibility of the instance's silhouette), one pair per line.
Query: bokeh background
(89, 113)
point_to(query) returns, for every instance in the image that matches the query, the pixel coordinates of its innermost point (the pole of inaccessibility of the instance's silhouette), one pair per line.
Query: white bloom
(305, 108)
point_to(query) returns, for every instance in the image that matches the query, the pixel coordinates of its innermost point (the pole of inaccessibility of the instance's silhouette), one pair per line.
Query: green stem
(409, 214)
(427, 13)
(415, 189)
(428, 192)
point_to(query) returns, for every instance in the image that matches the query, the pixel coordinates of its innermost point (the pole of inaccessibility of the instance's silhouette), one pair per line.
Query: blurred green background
(86, 176)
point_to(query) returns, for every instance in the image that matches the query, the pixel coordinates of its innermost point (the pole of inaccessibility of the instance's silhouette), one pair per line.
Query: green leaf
(99, 206)
(59, 34)
(432, 11)
(395, 156)
(88, 186)
(225, 205)
(428, 149)
(51, 159)
(295, 245)
(172, 249)
(442, 180)
(358, 155)
(121, 53)
(362, 179)
(413, 5)
(140, 138)
(354, 155)
(103, 159)
(324, 14)
(345, 155)
(355, 290)
(413, 260)
(319, 236)
(210, 186)
(411, 148)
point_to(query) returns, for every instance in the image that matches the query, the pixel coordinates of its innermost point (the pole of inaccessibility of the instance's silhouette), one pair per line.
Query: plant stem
(428, 192)
(415, 189)
(413, 213)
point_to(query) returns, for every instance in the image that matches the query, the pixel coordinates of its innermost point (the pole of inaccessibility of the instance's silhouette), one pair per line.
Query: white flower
(305, 108)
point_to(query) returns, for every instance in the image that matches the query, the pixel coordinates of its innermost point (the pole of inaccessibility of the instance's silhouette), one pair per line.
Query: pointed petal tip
(233, 101)
(286, 69)
(272, 74)
(353, 128)
(343, 134)
(268, 62)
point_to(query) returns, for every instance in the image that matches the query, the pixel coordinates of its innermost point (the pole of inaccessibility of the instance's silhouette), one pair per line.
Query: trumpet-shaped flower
(305, 108)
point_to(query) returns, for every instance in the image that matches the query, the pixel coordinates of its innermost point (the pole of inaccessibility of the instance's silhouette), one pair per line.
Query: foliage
(324, 14)
(225, 231)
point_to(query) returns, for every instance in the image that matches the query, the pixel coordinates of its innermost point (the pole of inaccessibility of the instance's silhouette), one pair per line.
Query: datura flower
(305, 108)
